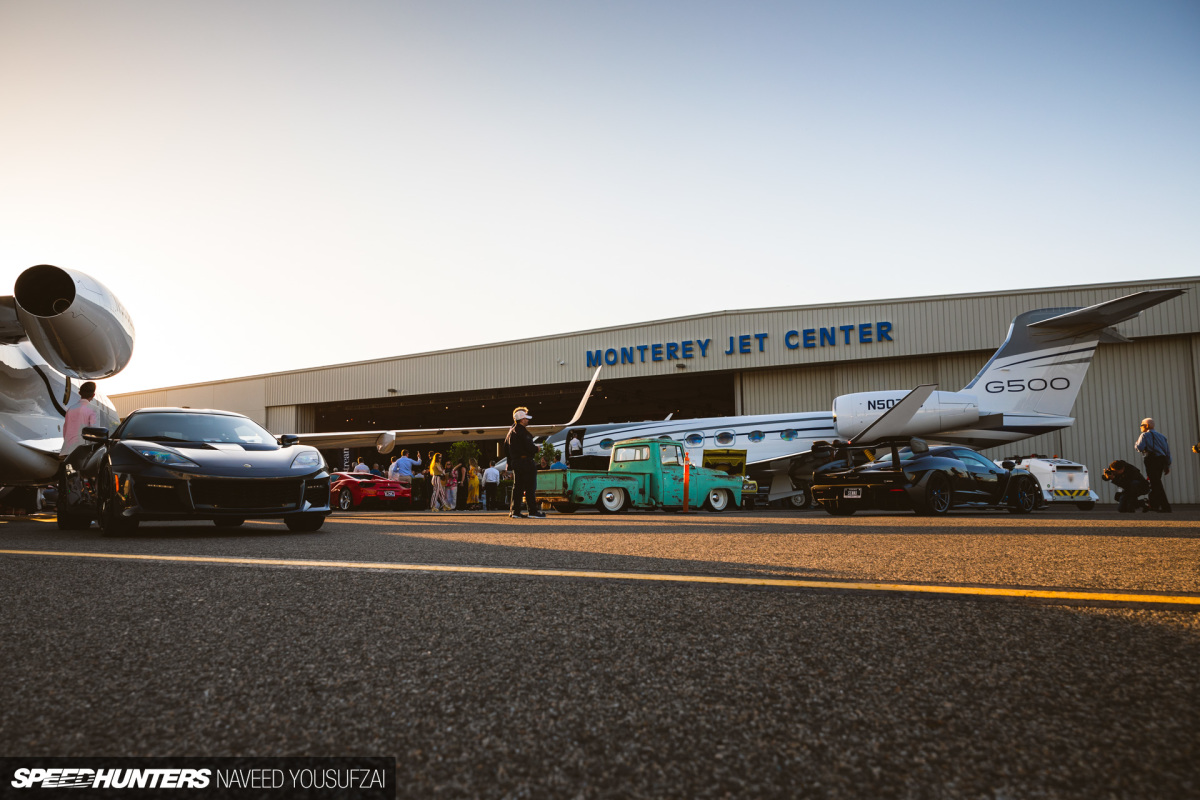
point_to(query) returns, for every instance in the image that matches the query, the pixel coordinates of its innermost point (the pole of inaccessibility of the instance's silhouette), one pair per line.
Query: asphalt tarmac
(773, 654)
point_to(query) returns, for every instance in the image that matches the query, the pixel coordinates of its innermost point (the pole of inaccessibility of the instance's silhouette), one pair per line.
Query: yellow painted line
(970, 591)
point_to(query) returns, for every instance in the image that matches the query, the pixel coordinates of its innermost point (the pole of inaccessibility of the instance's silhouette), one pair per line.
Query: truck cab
(642, 473)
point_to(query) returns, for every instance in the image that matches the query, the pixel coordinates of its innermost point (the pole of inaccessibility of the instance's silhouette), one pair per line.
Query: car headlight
(308, 460)
(163, 456)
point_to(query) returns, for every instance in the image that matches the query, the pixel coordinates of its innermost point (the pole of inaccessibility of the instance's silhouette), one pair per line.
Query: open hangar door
(620, 400)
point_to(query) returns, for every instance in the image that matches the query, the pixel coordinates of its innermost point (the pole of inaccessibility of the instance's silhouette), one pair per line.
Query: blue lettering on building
(863, 333)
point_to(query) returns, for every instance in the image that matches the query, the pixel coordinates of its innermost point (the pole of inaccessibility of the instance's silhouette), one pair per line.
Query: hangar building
(758, 361)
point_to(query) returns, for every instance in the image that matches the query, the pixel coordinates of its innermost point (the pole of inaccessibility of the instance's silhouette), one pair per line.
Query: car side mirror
(918, 445)
(95, 434)
(1008, 465)
(288, 439)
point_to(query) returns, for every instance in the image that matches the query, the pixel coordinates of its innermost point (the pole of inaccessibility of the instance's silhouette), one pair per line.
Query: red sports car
(349, 490)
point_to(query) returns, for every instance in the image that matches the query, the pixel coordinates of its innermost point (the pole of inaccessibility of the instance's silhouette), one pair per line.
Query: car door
(986, 476)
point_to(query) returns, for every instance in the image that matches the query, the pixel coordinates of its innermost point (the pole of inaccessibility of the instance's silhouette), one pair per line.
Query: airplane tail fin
(1041, 365)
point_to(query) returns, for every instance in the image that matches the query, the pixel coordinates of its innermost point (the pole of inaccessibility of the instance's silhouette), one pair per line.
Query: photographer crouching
(1129, 480)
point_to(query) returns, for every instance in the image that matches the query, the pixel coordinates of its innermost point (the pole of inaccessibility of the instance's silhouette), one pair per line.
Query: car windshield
(905, 455)
(211, 428)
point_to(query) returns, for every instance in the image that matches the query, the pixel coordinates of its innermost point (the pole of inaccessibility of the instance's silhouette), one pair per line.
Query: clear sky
(280, 184)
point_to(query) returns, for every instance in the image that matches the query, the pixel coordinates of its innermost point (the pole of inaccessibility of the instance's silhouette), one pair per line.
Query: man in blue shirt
(402, 468)
(1153, 446)
(558, 462)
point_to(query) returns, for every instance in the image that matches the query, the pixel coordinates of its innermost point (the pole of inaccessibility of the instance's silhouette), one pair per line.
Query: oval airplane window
(789, 434)
(606, 444)
(694, 439)
(756, 436)
(726, 438)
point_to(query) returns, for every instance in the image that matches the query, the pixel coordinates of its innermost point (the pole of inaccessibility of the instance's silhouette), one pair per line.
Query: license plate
(852, 494)
(389, 494)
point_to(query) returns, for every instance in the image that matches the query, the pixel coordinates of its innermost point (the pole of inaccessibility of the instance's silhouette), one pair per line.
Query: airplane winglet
(891, 423)
(1107, 314)
(586, 395)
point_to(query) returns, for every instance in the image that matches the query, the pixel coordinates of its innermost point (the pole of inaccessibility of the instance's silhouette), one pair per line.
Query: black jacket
(519, 443)
(1130, 479)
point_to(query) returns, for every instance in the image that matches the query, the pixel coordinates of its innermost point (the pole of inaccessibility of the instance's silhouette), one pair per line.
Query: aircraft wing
(50, 447)
(892, 422)
(385, 441)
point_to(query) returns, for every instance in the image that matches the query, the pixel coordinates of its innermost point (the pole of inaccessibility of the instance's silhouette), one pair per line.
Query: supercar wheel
(345, 500)
(937, 495)
(1023, 498)
(109, 512)
(305, 522)
(612, 500)
(839, 508)
(717, 500)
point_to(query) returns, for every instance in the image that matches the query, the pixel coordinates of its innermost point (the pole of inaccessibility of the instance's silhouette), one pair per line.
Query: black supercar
(192, 464)
(925, 480)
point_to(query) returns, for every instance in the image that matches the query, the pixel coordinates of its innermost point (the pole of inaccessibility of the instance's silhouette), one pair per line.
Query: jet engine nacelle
(75, 323)
(943, 411)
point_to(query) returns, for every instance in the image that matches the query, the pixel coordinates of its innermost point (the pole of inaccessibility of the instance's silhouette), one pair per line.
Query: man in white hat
(1157, 453)
(521, 450)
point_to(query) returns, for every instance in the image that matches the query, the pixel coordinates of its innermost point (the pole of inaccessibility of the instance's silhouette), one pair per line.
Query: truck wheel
(566, 508)
(612, 500)
(717, 500)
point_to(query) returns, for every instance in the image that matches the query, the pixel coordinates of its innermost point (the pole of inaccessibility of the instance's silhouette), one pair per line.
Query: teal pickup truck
(642, 473)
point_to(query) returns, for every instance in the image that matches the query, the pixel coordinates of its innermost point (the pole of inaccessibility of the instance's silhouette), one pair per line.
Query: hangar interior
(617, 400)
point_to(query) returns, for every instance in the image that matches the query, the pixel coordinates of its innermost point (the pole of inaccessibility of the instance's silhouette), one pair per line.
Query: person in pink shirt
(80, 415)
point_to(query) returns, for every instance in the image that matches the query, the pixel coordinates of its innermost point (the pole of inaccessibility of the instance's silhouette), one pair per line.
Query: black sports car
(192, 464)
(928, 481)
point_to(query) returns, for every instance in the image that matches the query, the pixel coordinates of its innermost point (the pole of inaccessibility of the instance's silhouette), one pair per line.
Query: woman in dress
(473, 485)
(437, 500)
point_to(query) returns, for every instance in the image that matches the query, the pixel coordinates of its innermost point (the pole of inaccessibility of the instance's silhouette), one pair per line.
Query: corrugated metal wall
(245, 396)
(941, 339)
(1155, 377)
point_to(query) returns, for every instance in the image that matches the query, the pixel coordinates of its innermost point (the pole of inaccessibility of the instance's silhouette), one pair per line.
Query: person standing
(81, 414)
(491, 483)
(521, 450)
(437, 500)
(451, 478)
(361, 466)
(402, 467)
(1157, 453)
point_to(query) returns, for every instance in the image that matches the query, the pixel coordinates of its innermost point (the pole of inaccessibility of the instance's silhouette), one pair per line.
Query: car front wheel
(305, 522)
(109, 513)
